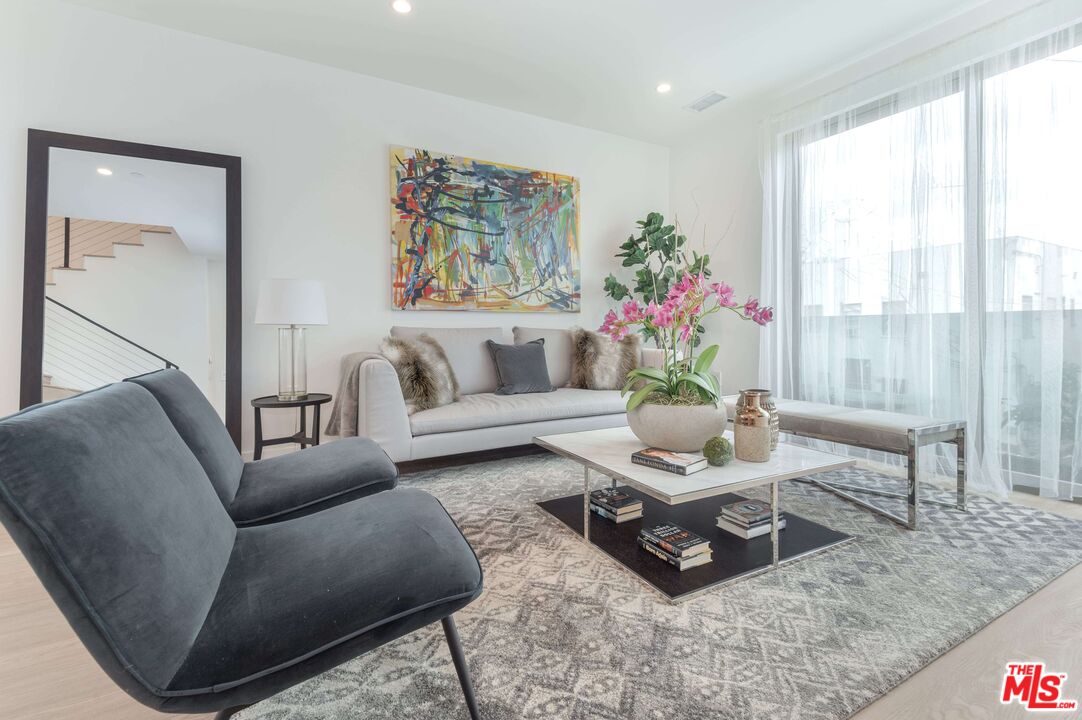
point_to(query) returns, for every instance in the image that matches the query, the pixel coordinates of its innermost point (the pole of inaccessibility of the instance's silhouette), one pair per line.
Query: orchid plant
(684, 378)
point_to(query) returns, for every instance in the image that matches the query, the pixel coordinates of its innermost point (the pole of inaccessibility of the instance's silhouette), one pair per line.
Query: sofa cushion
(199, 424)
(466, 350)
(484, 410)
(557, 350)
(310, 480)
(100, 490)
(424, 372)
(359, 573)
(521, 368)
(598, 363)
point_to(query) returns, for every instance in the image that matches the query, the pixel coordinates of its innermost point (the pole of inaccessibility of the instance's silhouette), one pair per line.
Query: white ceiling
(188, 198)
(593, 63)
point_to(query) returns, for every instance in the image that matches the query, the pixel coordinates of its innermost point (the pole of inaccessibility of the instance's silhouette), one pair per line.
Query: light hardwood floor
(45, 674)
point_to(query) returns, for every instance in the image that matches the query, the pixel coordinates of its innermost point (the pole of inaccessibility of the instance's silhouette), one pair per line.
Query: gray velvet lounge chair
(185, 610)
(277, 488)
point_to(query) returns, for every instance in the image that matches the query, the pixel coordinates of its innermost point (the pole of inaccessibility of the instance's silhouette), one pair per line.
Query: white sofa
(481, 419)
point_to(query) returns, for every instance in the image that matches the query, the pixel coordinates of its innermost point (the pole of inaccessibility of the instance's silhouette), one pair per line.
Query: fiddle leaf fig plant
(659, 256)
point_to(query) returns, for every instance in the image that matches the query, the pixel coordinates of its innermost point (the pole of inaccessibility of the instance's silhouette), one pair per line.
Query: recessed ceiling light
(664, 88)
(104, 171)
(402, 6)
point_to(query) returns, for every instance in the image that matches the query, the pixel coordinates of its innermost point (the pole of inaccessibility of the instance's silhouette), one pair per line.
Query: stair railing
(81, 353)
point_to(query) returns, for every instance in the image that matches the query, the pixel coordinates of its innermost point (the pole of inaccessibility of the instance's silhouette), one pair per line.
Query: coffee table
(692, 502)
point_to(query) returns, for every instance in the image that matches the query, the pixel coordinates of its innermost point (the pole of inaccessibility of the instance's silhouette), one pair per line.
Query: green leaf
(639, 395)
(713, 381)
(706, 358)
(700, 381)
(651, 373)
(615, 289)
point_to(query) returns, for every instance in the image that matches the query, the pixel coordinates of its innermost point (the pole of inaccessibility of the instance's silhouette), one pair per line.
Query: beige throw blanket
(343, 420)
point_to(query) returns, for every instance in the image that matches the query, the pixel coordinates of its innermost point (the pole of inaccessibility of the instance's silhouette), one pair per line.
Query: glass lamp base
(292, 365)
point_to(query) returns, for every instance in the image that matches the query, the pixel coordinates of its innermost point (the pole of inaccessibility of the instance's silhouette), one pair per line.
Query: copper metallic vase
(766, 401)
(751, 427)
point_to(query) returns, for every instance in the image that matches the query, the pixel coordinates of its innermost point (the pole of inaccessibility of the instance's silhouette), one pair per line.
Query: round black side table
(312, 400)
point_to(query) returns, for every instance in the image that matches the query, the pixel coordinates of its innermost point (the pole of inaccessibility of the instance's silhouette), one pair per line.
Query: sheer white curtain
(924, 250)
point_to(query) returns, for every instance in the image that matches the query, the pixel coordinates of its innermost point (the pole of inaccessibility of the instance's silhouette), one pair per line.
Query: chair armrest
(381, 409)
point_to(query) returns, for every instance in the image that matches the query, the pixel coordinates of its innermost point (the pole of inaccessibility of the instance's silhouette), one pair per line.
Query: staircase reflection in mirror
(135, 272)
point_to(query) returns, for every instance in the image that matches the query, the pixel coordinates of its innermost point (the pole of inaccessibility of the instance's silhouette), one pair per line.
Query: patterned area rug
(562, 631)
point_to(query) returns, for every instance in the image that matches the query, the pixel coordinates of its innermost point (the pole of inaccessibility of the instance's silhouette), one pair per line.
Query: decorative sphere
(718, 451)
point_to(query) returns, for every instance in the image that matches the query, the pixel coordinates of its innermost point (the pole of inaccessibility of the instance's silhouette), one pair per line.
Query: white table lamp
(292, 303)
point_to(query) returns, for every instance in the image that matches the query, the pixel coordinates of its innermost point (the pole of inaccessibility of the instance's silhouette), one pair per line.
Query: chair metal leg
(459, 659)
(229, 712)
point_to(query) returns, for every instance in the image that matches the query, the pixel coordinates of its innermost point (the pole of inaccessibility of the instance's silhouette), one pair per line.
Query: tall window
(935, 240)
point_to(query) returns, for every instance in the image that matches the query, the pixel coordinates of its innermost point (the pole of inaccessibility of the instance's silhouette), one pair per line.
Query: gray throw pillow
(424, 373)
(521, 368)
(598, 363)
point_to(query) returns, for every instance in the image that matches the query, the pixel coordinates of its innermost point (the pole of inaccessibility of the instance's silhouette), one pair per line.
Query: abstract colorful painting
(473, 235)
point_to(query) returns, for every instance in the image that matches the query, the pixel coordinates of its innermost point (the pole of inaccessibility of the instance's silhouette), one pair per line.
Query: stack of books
(748, 518)
(680, 548)
(674, 462)
(612, 504)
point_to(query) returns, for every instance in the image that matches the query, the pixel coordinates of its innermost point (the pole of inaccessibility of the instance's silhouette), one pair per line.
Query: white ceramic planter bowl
(680, 428)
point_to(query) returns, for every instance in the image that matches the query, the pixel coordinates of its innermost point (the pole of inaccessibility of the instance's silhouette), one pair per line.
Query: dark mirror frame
(39, 142)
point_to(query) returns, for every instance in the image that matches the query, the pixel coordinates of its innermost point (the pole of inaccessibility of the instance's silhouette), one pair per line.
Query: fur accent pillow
(598, 363)
(424, 373)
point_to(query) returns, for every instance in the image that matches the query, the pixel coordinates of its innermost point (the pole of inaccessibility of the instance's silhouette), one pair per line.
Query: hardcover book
(747, 533)
(615, 501)
(747, 512)
(679, 563)
(674, 462)
(609, 515)
(675, 540)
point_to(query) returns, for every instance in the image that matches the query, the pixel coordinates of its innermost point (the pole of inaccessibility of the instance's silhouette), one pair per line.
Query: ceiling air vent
(708, 100)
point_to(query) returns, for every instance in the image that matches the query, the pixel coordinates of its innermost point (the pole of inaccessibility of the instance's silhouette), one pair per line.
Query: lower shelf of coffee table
(734, 557)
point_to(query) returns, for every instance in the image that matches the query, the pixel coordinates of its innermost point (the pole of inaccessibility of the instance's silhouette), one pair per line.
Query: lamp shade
(285, 301)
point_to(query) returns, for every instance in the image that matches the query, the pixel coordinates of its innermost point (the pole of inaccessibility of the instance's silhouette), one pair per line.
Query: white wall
(718, 198)
(156, 295)
(314, 147)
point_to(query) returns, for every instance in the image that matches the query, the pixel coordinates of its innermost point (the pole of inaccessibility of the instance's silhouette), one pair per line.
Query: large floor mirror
(132, 265)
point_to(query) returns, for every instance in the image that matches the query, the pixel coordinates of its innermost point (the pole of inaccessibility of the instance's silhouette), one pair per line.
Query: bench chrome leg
(886, 493)
(837, 490)
(463, 670)
(913, 473)
(960, 443)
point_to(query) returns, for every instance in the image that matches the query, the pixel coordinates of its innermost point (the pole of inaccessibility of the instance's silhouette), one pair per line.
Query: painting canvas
(474, 235)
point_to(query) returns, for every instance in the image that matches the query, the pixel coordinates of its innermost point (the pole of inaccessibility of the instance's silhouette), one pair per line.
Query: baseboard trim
(446, 461)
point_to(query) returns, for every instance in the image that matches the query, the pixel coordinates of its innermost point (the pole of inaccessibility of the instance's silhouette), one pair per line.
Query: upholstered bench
(890, 432)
